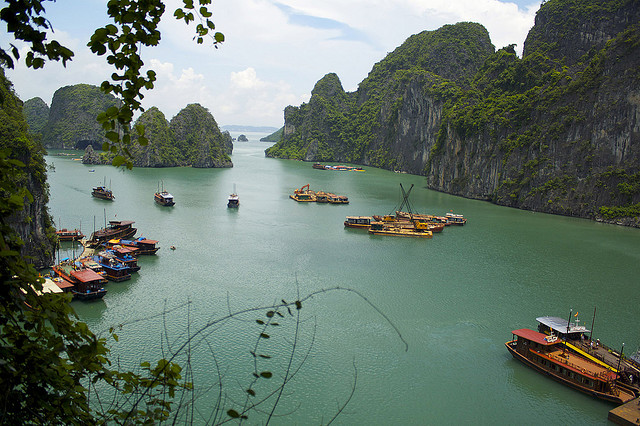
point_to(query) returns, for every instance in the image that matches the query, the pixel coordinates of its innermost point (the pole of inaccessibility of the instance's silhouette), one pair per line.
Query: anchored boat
(164, 198)
(549, 355)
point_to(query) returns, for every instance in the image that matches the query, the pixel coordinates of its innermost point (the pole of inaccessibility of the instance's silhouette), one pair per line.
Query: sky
(274, 51)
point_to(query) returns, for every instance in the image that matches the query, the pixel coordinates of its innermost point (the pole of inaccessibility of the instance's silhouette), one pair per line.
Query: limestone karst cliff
(32, 223)
(557, 130)
(191, 138)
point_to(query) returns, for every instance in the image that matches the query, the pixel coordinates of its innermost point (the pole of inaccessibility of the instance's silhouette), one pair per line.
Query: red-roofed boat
(549, 355)
(87, 284)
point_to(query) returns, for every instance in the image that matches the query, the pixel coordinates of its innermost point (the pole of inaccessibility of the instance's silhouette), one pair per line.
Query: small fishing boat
(234, 201)
(549, 355)
(456, 219)
(319, 166)
(361, 222)
(144, 246)
(65, 234)
(162, 197)
(303, 194)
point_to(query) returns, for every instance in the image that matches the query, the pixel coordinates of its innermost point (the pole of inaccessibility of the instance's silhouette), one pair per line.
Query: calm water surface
(454, 298)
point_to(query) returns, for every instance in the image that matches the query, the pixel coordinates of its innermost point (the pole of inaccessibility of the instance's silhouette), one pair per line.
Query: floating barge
(306, 195)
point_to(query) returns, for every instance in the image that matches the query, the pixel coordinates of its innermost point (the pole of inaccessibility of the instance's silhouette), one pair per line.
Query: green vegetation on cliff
(539, 132)
(192, 138)
(36, 113)
(72, 117)
(33, 223)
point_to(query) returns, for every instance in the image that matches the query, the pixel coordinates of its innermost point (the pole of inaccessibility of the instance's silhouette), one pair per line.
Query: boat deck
(581, 364)
(626, 414)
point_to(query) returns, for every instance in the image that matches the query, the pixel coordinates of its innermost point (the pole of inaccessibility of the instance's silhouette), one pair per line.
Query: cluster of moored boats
(404, 224)
(319, 166)
(111, 254)
(305, 194)
(565, 351)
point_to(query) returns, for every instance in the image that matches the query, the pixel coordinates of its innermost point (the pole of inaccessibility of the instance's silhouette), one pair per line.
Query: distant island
(242, 128)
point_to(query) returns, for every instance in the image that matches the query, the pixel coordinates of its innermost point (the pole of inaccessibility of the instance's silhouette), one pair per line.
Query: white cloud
(274, 52)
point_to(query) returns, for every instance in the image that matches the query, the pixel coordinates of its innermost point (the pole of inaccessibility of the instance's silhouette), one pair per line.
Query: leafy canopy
(134, 27)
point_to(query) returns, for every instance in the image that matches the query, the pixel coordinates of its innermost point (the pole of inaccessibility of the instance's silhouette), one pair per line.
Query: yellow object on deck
(594, 359)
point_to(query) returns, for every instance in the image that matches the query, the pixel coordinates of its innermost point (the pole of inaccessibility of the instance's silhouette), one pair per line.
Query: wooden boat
(548, 355)
(144, 246)
(127, 255)
(115, 229)
(234, 201)
(338, 199)
(87, 284)
(303, 194)
(65, 234)
(577, 339)
(164, 198)
(319, 166)
(361, 222)
(455, 219)
(102, 193)
(382, 228)
(322, 197)
(114, 269)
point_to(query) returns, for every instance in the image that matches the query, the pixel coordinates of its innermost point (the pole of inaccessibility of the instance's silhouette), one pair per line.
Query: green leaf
(298, 304)
(219, 37)
(251, 392)
(264, 335)
(233, 414)
(270, 314)
(266, 374)
(260, 322)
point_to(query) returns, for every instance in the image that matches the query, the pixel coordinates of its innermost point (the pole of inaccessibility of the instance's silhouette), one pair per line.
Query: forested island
(555, 131)
(191, 138)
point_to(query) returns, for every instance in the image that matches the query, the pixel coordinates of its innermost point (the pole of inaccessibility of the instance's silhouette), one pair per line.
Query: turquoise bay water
(454, 298)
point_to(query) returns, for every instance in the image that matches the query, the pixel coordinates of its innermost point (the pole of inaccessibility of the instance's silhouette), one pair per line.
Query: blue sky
(274, 53)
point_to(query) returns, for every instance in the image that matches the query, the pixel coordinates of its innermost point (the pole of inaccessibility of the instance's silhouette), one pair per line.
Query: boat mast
(567, 335)
(593, 322)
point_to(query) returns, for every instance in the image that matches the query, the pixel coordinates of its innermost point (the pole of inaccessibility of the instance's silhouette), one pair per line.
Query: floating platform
(626, 414)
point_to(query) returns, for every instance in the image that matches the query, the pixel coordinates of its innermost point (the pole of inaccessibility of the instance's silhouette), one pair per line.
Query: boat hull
(600, 395)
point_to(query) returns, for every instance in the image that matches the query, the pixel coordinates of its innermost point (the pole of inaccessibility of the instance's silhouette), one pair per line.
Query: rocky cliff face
(36, 113)
(192, 138)
(33, 224)
(555, 131)
(198, 137)
(72, 118)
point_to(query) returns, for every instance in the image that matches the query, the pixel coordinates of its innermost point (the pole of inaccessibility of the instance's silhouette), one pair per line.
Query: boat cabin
(358, 221)
(562, 328)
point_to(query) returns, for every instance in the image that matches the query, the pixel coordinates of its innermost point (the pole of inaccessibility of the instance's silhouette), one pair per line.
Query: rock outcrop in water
(192, 138)
(556, 131)
(72, 117)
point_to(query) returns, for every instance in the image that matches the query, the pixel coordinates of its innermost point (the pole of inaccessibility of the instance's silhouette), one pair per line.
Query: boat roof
(560, 325)
(145, 241)
(86, 275)
(534, 336)
(121, 222)
(359, 217)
